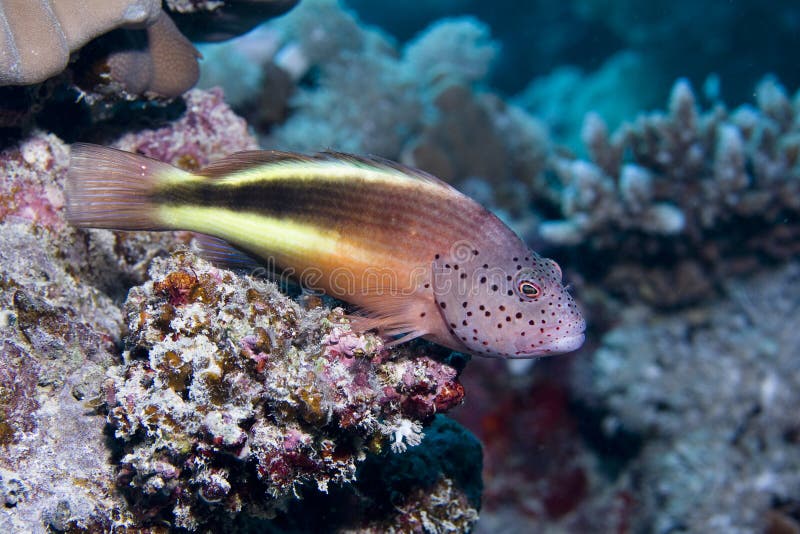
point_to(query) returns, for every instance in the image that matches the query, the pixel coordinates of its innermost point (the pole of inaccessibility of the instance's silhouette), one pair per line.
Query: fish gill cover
(677, 229)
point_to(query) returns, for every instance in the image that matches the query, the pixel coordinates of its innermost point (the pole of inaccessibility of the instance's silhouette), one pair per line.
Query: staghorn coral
(714, 392)
(233, 399)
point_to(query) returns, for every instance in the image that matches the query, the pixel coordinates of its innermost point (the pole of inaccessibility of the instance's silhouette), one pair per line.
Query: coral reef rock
(234, 399)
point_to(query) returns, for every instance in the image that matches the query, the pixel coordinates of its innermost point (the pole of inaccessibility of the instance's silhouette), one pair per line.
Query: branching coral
(233, 398)
(687, 173)
(711, 192)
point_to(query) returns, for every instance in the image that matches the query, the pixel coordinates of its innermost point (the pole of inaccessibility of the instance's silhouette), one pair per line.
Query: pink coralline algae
(234, 399)
(28, 191)
(207, 131)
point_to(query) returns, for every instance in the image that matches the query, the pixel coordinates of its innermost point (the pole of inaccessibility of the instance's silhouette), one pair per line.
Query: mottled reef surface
(201, 398)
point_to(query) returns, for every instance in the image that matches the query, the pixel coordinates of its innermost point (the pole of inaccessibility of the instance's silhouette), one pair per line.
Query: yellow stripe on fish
(418, 257)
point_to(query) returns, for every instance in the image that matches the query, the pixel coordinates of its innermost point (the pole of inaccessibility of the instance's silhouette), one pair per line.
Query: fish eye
(529, 289)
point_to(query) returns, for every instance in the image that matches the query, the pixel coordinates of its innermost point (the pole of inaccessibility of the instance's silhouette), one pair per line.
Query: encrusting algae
(416, 256)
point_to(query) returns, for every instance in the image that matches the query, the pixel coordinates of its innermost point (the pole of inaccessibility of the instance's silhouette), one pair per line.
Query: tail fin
(109, 188)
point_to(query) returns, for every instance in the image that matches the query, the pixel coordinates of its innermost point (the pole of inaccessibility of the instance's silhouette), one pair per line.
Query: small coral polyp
(233, 397)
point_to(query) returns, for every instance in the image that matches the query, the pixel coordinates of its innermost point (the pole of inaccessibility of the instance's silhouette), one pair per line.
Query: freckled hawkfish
(416, 256)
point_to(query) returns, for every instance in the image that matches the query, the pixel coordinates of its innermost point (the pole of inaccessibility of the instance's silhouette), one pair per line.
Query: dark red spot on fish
(464, 323)
(508, 277)
(510, 293)
(518, 315)
(436, 257)
(502, 308)
(488, 313)
(452, 325)
(455, 266)
(422, 314)
(427, 286)
(494, 287)
(514, 259)
(508, 319)
(483, 279)
(485, 265)
(499, 325)
(443, 305)
(475, 252)
(463, 275)
(464, 304)
(481, 307)
(531, 322)
(469, 314)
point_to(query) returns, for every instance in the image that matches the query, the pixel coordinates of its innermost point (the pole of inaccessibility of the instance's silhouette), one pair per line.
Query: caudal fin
(110, 188)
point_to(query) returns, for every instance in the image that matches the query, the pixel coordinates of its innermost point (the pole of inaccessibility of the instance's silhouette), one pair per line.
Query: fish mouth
(559, 345)
(567, 343)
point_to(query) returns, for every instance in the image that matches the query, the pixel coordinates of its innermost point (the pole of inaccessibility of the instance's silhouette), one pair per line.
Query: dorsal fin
(248, 159)
(379, 163)
(241, 161)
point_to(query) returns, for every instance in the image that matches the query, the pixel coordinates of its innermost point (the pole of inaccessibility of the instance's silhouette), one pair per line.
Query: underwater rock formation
(233, 399)
(713, 392)
(59, 326)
